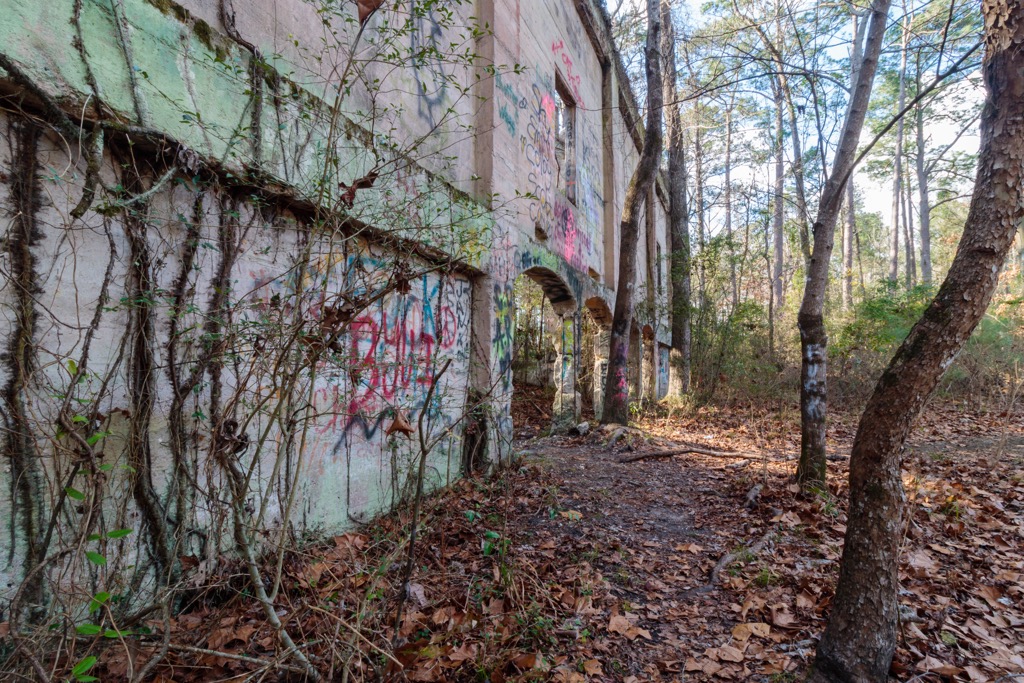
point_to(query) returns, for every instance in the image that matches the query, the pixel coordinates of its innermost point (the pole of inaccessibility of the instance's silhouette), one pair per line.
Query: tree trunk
(616, 407)
(811, 319)
(908, 233)
(778, 213)
(897, 164)
(781, 89)
(924, 205)
(678, 218)
(860, 637)
(728, 203)
(698, 199)
(798, 177)
(848, 227)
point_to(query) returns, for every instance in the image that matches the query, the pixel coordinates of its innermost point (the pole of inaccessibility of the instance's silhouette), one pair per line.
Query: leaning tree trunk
(811, 319)
(616, 408)
(860, 637)
(678, 218)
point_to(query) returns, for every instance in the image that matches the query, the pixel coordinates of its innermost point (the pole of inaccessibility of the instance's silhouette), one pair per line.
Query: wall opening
(544, 355)
(565, 138)
(595, 340)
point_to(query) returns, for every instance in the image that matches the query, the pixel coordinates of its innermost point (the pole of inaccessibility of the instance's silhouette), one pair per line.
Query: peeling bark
(860, 638)
(811, 318)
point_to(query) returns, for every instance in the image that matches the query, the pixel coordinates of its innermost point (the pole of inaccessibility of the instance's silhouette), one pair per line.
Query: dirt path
(575, 567)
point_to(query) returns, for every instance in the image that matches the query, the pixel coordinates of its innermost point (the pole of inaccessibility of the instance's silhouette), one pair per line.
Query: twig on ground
(238, 658)
(681, 451)
(354, 630)
(619, 433)
(726, 560)
(753, 494)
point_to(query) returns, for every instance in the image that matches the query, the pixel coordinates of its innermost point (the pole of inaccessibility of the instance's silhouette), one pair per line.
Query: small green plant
(952, 508)
(494, 544)
(745, 556)
(537, 627)
(766, 577)
(80, 672)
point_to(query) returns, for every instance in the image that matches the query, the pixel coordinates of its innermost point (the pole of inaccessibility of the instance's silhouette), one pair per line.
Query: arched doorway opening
(595, 340)
(545, 353)
(648, 367)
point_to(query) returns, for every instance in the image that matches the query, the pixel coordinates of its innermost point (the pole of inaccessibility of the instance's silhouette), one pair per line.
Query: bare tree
(811, 319)
(860, 638)
(897, 163)
(850, 226)
(678, 217)
(616, 407)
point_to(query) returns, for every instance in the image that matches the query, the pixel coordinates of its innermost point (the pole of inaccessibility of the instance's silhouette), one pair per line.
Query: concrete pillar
(633, 365)
(649, 365)
(602, 344)
(566, 411)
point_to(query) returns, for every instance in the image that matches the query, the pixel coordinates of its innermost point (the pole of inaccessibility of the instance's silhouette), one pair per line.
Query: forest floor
(577, 566)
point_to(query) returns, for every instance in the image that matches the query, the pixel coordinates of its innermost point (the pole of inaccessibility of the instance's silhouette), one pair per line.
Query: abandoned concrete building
(259, 257)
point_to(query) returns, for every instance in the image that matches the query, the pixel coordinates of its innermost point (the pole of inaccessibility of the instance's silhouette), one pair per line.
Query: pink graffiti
(573, 80)
(547, 103)
(391, 357)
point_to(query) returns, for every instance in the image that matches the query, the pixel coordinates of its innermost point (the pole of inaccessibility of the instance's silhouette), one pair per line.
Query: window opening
(565, 139)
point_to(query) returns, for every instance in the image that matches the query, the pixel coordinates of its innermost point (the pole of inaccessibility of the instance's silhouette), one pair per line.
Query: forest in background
(762, 91)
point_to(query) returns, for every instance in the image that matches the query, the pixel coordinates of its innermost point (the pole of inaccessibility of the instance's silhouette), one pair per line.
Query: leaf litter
(573, 566)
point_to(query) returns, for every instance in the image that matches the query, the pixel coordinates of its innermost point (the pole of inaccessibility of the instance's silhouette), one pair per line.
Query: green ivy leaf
(119, 533)
(96, 558)
(95, 438)
(83, 666)
(88, 629)
(98, 601)
(74, 493)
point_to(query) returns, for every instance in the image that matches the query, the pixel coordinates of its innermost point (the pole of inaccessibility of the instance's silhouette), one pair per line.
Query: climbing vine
(207, 352)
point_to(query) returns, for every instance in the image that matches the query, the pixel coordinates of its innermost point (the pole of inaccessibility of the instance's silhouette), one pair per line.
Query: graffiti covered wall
(275, 271)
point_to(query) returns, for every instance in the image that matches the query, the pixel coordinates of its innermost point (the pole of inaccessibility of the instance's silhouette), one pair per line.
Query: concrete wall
(146, 340)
